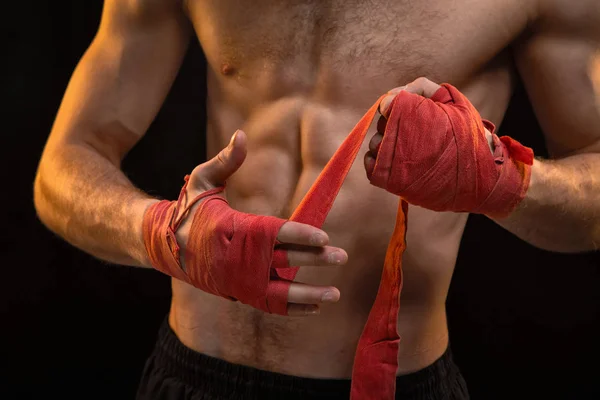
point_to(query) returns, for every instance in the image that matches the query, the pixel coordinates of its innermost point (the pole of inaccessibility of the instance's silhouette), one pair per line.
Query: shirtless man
(295, 76)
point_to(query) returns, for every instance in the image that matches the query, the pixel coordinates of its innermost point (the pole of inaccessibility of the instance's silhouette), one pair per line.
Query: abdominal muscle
(289, 142)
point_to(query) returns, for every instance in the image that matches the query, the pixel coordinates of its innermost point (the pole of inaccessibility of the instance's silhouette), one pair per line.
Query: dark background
(524, 323)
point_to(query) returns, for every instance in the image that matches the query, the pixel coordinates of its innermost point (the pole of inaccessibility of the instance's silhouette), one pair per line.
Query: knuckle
(222, 157)
(327, 257)
(295, 258)
(315, 296)
(319, 258)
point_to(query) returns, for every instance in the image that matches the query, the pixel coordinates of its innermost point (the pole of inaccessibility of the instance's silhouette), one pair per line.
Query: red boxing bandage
(228, 253)
(434, 154)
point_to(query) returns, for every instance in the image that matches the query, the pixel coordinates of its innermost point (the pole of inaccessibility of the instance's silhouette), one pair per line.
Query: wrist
(539, 174)
(138, 210)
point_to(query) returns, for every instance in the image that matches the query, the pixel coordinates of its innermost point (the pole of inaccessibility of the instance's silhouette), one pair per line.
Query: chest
(306, 40)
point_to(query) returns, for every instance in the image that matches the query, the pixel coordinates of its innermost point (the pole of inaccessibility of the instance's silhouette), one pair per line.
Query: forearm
(561, 211)
(84, 198)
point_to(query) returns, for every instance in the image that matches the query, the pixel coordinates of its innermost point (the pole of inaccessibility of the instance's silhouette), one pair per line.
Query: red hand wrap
(228, 253)
(435, 154)
(231, 254)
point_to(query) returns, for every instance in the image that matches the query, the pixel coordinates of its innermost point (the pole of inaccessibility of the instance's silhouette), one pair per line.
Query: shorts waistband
(220, 378)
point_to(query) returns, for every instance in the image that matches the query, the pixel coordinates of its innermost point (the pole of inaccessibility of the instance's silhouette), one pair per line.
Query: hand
(305, 245)
(420, 86)
(433, 149)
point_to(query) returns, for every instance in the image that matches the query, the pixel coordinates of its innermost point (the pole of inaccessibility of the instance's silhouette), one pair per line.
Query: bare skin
(295, 77)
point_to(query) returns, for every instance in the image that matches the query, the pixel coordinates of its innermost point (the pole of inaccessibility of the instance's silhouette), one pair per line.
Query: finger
(375, 143)
(381, 125)
(302, 310)
(369, 162)
(384, 106)
(423, 87)
(316, 256)
(215, 172)
(296, 233)
(302, 293)
(385, 103)
(420, 86)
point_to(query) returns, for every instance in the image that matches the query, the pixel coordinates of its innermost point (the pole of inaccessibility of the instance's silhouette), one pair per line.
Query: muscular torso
(296, 76)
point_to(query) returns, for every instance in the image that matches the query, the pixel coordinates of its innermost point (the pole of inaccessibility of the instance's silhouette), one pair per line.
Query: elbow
(41, 202)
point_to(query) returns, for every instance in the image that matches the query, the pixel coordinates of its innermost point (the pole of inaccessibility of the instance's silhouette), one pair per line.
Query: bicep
(561, 72)
(121, 81)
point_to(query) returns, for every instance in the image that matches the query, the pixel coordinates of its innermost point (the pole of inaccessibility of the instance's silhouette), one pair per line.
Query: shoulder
(148, 10)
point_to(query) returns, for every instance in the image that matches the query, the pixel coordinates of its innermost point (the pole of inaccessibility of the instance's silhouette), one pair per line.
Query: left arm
(560, 66)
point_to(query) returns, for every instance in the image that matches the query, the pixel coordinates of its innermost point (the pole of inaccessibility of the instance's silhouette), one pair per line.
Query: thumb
(216, 171)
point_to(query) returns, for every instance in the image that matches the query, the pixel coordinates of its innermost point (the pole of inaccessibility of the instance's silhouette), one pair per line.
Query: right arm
(114, 94)
(116, 90)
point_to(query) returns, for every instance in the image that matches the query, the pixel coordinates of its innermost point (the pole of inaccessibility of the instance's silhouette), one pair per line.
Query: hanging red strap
(376, 361)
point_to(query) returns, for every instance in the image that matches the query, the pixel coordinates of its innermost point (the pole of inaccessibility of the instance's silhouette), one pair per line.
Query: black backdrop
(524, 323)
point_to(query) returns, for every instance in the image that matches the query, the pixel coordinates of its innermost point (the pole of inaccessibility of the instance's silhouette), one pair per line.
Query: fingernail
(313, 311)
(328, 296)
(335, 257)
(317, 239)
(232, 140)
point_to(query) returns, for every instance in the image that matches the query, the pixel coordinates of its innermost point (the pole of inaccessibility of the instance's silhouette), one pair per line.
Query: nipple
(227, 69)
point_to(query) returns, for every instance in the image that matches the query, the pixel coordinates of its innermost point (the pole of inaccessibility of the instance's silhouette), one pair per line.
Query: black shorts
(174, 371)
